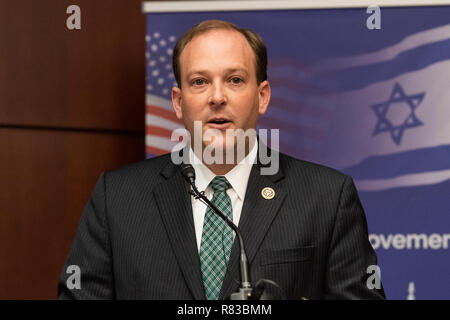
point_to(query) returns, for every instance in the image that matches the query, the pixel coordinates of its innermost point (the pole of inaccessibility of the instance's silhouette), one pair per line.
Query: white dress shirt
(238, 179)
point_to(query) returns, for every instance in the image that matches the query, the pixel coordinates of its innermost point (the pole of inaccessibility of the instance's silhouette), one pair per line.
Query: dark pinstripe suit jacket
(136, 237)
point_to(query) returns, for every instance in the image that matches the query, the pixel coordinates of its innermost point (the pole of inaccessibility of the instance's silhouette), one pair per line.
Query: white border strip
(160, 142)
(388, 53)
(152, 120)
(257, 5)
(154, 100)
(409, 180)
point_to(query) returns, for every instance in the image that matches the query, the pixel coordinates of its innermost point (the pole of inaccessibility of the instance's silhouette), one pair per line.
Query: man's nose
(218, 97)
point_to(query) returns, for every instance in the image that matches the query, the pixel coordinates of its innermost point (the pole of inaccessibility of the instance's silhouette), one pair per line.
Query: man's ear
(176, 102)
(264, 96)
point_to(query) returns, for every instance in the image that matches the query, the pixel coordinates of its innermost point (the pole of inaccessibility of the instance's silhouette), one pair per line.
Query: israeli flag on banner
(392, 115)
(374, 104)
(390, 131)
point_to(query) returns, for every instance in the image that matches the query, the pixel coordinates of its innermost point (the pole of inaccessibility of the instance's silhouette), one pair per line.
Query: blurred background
(372, 103)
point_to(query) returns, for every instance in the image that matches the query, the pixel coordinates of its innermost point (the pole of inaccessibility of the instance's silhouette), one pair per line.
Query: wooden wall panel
(45, 182)
(88, 78)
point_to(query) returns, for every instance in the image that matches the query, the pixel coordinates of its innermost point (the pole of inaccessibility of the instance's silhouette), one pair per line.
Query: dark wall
(72, 105)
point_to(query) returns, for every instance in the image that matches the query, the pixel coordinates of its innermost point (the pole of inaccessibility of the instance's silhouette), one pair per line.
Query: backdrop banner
(372, 103)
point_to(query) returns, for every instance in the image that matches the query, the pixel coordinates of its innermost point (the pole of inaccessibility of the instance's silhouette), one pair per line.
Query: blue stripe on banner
(410, 60)
(408, 162)
(149, 155)
(412, 204)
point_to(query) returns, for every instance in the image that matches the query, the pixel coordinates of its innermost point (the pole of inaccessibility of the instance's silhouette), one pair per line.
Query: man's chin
(220, 145)
(223, 152)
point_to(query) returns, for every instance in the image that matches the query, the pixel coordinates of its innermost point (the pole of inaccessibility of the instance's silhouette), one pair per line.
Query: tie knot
(220, 184)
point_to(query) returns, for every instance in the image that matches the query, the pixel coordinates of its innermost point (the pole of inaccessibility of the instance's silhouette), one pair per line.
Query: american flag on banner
(160, 119)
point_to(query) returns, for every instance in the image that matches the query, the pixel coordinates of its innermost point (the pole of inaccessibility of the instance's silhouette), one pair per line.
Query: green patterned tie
(217, 240)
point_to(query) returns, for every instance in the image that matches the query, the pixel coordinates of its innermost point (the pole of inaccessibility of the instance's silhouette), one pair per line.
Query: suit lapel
(256, 217)
(175, 207)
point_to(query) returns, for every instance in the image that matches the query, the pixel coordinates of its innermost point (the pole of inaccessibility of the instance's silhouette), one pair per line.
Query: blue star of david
(411, 121)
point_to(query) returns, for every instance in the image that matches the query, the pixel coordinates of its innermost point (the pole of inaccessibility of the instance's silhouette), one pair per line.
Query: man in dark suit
(143, 236)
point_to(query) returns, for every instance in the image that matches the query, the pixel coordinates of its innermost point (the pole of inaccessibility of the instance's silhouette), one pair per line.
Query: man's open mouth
(219, 123)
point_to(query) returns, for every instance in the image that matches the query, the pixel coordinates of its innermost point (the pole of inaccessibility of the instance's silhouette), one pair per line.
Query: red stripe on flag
(158, 131)
(155, 150)
(163, 113)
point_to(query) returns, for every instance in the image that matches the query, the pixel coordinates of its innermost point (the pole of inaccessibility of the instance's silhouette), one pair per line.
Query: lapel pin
(268, 193)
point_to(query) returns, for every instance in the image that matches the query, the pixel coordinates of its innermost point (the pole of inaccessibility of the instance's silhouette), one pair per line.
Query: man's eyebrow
(232, 70)
(201, 72)
(205, 72)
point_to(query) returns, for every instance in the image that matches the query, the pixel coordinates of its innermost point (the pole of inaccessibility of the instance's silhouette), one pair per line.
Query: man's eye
(198, 82)
(236, 80)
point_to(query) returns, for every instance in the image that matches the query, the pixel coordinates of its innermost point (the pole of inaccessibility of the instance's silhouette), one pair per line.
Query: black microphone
(188, 173)
(245, 291)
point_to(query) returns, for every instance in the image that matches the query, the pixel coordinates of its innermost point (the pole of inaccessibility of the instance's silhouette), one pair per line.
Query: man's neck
(222, 169)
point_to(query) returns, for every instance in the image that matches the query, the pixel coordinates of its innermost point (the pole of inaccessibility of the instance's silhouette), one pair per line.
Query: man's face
(219, 86)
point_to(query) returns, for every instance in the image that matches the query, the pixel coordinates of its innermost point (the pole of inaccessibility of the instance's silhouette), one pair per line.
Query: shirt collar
(237, 177)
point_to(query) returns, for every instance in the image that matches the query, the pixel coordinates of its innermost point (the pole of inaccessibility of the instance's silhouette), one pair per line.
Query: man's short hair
(254, 40)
